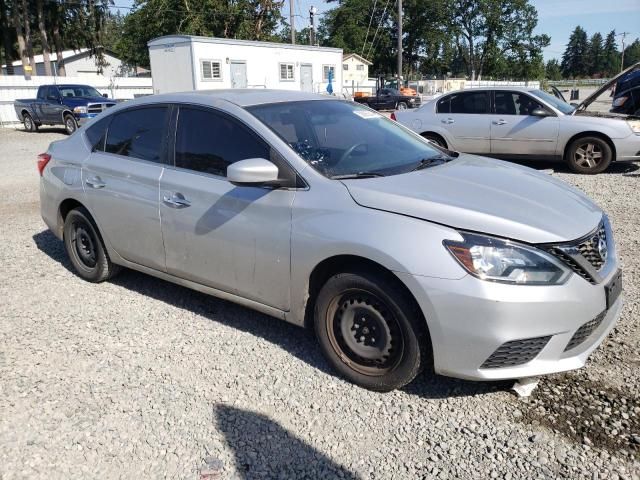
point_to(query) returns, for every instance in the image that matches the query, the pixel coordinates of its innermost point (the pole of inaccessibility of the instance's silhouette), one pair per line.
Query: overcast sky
(556, 18)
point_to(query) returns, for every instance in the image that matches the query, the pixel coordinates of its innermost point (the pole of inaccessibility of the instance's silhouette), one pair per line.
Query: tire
(85, 247)
(401, 106)
(401, 348)
(433, 138)
(589, 155)
(70, 124)
(29, 124)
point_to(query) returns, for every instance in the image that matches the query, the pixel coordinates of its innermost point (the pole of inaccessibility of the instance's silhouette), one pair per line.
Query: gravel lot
(139, 378)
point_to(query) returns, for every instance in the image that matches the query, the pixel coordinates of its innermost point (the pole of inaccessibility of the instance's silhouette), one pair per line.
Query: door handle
(95, 182)
(176, 200)
(448, 120)
(499, 122)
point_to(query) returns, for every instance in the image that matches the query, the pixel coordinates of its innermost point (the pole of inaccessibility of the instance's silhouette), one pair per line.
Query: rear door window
(209, 141)
(138, 133)
(465, 102)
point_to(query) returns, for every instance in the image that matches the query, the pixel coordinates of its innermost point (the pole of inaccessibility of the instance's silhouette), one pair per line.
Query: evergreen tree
(632, 54)
(596, 55)
(553, 70)
(574, 59)
(611, 60)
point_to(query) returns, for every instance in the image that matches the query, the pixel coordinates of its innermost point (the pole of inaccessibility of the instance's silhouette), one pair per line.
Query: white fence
(499, 83)
(13, 87)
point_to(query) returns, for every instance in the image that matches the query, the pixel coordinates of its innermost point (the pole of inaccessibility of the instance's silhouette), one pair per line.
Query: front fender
(398, 243)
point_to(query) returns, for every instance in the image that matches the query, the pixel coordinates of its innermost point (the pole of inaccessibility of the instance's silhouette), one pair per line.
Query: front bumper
(627, 149)
(469, 319)
(82, 118)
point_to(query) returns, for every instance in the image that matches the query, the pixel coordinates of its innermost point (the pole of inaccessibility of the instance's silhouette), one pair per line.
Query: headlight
(635, 125)
(80, 110)
(505, 261)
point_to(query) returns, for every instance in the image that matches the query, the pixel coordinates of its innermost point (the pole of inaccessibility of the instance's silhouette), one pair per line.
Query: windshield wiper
(356, 175)
(429, 162)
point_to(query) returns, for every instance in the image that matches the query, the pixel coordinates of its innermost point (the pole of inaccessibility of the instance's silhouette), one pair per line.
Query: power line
(382, 19)
(373, 11)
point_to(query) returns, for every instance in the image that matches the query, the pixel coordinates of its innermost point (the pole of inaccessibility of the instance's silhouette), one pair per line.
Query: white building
(77, 63)
(355, 69)
(183, 63)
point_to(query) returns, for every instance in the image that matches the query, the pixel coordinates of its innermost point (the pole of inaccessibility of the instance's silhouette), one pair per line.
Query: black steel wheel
(85, 247)
(589, 155)
(370, 330)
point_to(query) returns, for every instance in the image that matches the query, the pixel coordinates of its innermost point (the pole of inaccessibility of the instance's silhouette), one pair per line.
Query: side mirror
(540, 112)
(105, 95)
(253, 171)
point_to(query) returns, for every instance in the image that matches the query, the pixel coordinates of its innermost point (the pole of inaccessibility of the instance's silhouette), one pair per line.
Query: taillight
(43, 159)
(393, 116)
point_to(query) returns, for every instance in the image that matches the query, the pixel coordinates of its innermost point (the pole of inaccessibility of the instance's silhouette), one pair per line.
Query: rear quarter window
(97, 133)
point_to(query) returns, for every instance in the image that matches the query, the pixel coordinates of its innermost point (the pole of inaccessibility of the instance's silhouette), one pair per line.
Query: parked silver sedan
(326, 214)
(526, 123)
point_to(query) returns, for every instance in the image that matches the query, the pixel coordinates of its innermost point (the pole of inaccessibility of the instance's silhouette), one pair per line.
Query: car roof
(238, 96)
(497, 87)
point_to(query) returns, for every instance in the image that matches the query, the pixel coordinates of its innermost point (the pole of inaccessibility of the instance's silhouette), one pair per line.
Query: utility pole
(312, 21)
(624, 34)
(293, 27)
(399, 43)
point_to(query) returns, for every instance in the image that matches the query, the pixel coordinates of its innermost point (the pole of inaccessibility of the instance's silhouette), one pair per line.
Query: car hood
(76, 101)
(582, 106)
(484, 195)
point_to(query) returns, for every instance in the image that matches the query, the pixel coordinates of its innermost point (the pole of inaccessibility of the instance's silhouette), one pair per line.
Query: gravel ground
(139, 378)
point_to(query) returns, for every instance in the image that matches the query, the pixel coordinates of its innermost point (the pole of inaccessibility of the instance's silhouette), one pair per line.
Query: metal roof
(173, 39)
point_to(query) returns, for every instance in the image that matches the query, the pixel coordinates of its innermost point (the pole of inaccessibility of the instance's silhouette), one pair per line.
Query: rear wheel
(589, 155)
(29, 124)
(85, 248)
(370, 331)
(437, 139)
(70, 124)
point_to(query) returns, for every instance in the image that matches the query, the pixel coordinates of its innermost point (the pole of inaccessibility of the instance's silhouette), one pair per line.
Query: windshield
(555, 102)
(78, 91)
(343, 138)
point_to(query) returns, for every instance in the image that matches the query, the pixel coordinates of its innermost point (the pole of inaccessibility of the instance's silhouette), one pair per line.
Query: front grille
(98, 107)
(585, 331)
(589, 248)
(572, 265)
(516, 352)
(586, 256)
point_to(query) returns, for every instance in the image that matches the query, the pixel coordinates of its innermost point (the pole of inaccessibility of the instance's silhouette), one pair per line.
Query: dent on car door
(121, 181)
(231, 237)
(516, 131)
(465, 115)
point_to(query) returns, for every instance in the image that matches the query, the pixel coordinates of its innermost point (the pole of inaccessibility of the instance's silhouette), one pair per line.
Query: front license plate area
(613, 289)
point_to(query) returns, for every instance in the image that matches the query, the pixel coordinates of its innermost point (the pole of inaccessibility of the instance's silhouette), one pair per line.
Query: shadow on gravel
(627, 169)
(299, 342)
(264, 449)
(587, 412)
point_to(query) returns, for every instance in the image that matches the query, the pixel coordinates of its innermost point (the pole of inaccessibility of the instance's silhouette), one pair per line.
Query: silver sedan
(326, 214)
(525, 123)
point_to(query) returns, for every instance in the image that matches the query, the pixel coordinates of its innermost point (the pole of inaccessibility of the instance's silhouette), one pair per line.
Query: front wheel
(70, 124)
(589, 155)
(369, 331)
(85, 248)
(402, 106)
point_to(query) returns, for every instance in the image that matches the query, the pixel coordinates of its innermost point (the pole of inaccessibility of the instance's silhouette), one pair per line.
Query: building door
(238, 75)
(306, 78)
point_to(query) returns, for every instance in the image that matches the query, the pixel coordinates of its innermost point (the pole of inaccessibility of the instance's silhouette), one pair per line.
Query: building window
(345, 66)
(286, 72)
(325, 72)
(210, 69)
(360, 68)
